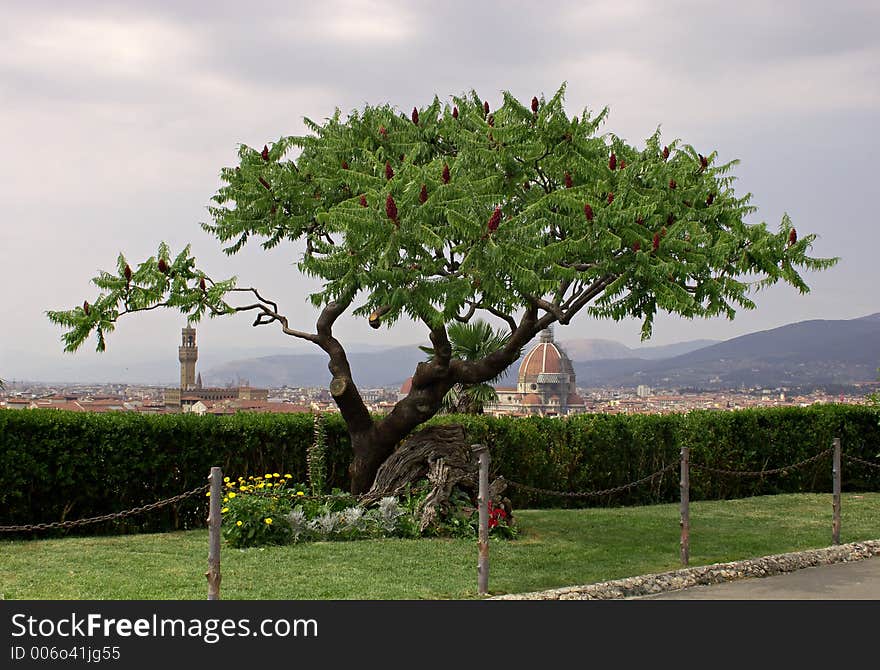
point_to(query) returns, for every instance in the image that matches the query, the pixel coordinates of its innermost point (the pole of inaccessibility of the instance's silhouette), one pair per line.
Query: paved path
(858, 580)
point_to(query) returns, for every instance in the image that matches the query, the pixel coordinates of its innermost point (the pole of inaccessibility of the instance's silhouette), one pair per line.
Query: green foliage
(58, 465)
(317, 457)
(470, 342)
(456, 210)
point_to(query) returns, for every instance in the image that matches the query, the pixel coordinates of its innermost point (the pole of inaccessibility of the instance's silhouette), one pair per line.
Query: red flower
(382, 131)
(455, 112)
(710, 198)
(665, 153)
(389, 173)
(423, 194)
(622, 163)
(265, 153)
(612, 162)
(640, 221)
(568, 182)
(202, 283)
(127, 273)
(163, 266)
(494, 220)
(535, 104)
(588, 212)
(86, 308)
(445, 175)
(415, 116)
(344, 165)
(704, 162)
(485, 108)
(792, 237)
(610, 198)
(637, 246)
(363, 201)
(391, 208)
(672, 184)
(655, 243)
(493, 522)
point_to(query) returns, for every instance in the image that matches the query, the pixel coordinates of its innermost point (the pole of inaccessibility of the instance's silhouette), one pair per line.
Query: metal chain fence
(105, 517)
(760, 473)
(593, 494)
(856, 459)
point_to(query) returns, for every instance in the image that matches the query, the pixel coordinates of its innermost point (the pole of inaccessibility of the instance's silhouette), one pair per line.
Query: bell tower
(188, 353)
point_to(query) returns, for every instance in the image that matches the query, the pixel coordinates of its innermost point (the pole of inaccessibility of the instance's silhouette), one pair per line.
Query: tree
(455, 210)
(470, 342)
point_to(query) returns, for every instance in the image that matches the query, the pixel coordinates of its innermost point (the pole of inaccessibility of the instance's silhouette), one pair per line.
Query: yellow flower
(208, 494)
(288, 476)
(268, 475)
(238, 523)
(226, 479)
(224, 510)
(300, 493)
(232, 494)
(259, 486)
(268, 521)
(275, 474)
(225, 499)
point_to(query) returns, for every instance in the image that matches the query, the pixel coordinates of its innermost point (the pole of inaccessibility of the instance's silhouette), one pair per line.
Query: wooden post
(685, 493)
(213, 573)
(482, 452)
(835, 496)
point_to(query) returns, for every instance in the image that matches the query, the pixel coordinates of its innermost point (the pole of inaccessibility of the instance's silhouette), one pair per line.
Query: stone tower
(188, 353)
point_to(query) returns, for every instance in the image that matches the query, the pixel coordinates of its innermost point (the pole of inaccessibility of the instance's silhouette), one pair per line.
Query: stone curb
(633, 587)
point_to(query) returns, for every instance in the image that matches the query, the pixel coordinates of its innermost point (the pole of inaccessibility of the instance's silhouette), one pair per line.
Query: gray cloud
(117, 117)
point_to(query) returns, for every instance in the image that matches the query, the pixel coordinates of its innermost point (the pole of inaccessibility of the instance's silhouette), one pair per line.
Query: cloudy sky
(116, 117)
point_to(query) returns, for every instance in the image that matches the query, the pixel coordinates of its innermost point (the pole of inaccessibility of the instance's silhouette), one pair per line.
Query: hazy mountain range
(808, 353)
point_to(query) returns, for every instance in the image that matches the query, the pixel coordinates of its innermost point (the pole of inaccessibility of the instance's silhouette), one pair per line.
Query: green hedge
(56, 465)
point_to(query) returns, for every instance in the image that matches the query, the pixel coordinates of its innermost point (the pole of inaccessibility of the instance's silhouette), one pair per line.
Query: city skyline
(119, 120)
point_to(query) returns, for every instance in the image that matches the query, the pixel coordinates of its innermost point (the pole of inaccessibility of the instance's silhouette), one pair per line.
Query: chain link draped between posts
(760, 473)
(856, 459)
(105, 517)
(592, 494)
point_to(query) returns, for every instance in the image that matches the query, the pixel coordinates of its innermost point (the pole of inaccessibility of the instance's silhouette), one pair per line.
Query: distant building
(545, 385)
(191, 391)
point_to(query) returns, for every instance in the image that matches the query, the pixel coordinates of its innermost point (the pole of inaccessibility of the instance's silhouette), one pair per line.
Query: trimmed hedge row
(59, 465)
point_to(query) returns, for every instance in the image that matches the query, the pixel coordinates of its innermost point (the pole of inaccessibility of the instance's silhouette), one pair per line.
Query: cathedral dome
(547, 362)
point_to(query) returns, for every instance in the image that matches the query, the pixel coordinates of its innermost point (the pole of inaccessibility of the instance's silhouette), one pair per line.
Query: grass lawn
(556, 548)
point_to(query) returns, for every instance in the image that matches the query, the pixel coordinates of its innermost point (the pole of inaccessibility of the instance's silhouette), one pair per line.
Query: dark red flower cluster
(202, 283)
(363, 201)
(445, 175)
(86, 307)
(415, 116)
(588, 212)
(423, 194)
(494, 220)
(535, 104)
(391, 208)
(344, 165)
(792, 237)
(665, 153)
(127, 272)
(163, 266)
(568, 181)
(455, 112)
(265, 152)
(382, 131)
(612, 162)
(672, 184)
(389, 172)
(610, 198)
(496, 515)
(485, 108)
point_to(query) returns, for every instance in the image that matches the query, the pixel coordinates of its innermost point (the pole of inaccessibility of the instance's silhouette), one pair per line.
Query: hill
(808, 353)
